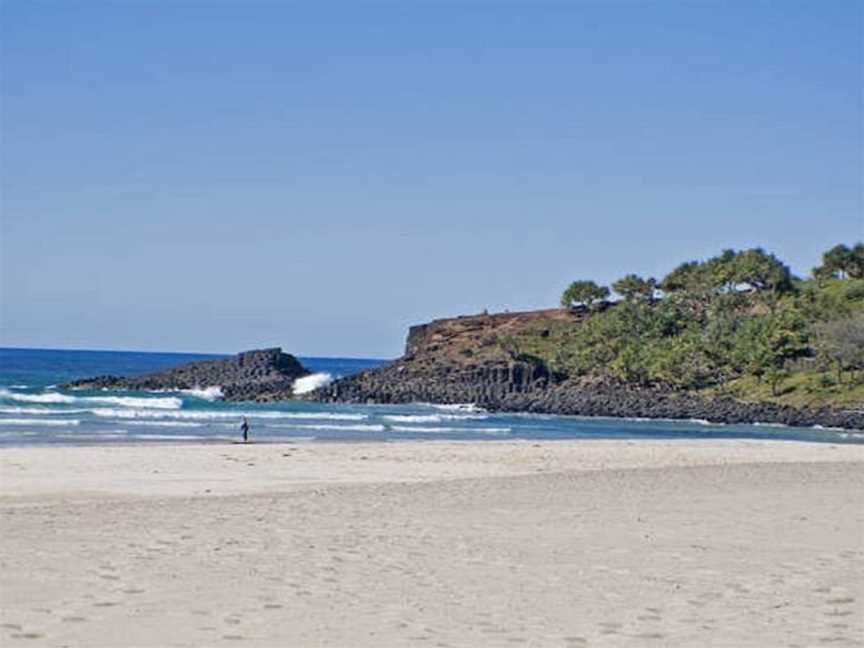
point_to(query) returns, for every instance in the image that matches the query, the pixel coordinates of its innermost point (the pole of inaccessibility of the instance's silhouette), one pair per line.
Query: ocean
(33, 410)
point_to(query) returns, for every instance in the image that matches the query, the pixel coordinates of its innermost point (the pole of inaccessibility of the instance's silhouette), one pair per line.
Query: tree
(855, 267)
(761, 271)
(722, 270)
(842, 262)
(635, 288)
(583, 293)
(687, 277)
(842, 342)
(766, 342)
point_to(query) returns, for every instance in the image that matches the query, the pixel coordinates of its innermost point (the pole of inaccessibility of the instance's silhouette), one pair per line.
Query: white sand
(572, 543)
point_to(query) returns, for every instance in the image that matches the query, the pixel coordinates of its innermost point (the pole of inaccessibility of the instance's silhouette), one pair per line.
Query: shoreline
(554, 543)
(400, 383)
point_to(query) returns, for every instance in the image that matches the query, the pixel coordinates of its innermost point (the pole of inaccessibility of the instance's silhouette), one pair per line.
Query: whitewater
(34, 411)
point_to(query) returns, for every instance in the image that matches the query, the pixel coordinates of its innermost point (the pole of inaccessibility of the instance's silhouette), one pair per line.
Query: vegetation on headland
(738, 324)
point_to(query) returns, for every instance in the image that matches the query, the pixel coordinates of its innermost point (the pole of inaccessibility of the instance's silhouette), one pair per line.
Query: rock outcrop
(263, 374)
(460, 361)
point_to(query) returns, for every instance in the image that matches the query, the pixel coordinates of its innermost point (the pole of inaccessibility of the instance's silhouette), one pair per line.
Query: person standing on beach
(244, 427)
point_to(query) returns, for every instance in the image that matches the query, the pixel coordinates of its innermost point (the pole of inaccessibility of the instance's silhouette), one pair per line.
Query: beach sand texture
(570, 543)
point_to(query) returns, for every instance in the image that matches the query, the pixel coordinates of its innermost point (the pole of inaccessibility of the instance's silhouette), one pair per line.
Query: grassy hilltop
(738, 324)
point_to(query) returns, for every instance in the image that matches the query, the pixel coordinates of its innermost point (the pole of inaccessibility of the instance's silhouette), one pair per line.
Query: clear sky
(216, 176)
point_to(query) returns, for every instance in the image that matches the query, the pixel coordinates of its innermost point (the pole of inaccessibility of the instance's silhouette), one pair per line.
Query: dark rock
(425, 374)
(264, 374)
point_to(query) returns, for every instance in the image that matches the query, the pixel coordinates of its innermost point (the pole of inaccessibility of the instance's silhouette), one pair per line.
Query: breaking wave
(450, 430)
(459, 407)
(310, 383)
(107, 412)
(167, 437)
(49, 397)
(40, 411)
(121, 401)
(324, 426)
(207, 393)
(186, 424)
(36, 421)
(169, 403)
(433, 418)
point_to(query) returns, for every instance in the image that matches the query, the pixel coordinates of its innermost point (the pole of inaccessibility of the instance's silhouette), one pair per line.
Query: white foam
(48, 397)
(36, 421)
(168, 437)
(312, 382)
(324, 426)
(40, 411)
(93, 435)
(121, 401)
(459, 407)
(186, 424)
(448, 430)
(202, 415)
(169, 403)
(207, 393)
(433, 418)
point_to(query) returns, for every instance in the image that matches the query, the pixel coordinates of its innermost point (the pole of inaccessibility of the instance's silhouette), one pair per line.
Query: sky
(218, 176)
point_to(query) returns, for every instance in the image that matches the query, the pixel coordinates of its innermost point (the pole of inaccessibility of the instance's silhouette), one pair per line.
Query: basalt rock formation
(263, 374)
(461, 360)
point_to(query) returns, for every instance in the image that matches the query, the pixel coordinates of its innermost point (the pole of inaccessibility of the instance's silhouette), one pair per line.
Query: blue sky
(215, 176)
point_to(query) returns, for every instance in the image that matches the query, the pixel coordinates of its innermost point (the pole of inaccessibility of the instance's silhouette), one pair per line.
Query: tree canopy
(634, 288)
(737, 316)
(583, 293)
(752, 269)
(842, 262)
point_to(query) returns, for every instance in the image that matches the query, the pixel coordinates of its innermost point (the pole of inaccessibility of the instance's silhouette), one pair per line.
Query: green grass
(799, 389)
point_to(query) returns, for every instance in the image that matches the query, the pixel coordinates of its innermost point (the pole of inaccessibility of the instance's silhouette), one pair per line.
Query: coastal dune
(564, 543)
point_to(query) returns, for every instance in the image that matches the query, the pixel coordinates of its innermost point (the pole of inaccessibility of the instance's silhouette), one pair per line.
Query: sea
(35, 410)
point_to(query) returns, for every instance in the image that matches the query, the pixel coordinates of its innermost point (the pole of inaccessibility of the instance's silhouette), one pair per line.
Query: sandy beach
(570, 543)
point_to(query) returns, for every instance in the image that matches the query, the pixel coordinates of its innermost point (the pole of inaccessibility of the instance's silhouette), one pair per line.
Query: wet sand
(571, 543)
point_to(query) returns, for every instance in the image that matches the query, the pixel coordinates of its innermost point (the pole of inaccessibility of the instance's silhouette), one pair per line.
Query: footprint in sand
(609, 627)
(843, 600)
(649, 617)
(27, 635)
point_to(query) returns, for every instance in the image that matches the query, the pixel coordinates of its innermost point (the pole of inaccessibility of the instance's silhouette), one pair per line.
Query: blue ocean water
(33, 410)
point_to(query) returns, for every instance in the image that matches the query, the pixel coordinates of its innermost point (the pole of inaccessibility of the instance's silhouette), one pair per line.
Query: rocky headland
(263, 374)
(461, 360)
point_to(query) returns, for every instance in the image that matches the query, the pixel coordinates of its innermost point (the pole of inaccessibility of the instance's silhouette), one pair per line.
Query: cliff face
(252, 375)
(462, 340)
(464, 360)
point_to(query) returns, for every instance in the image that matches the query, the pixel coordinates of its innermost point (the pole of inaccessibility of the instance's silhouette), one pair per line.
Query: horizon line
(202, 353)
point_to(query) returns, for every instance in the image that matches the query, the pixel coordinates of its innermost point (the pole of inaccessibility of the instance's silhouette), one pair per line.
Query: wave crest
(171, 402)
(207, 393)
(36, 421)
(312, 382)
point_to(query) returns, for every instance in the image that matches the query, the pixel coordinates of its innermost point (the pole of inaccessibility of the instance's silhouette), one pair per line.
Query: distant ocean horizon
(34, 410)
